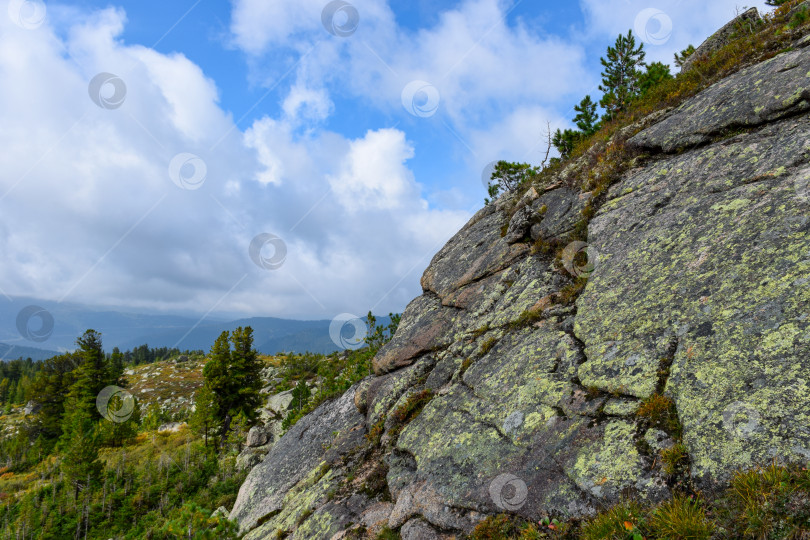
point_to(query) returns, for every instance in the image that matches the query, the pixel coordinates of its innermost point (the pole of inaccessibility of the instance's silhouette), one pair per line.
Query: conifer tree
(234, 377)
(116, 367)
(246, 370)
(80, 441)
(656, 73)
(206, 413)
(587, 119)
(620, 79)
(680, 58)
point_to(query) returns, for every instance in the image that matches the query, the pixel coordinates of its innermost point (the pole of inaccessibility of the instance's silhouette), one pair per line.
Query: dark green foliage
(205, 419)
(508, 176)
(656, 74)
(587, 119)
(622, 74)
(80, 438)
(565, 141)
(680, 58)
(102, 480)
(233, 377)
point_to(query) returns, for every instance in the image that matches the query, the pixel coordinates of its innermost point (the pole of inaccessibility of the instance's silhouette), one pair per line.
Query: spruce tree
(49, 389)
(116, 367)
(234, 377)
(79, 443)
(246, 369)
(620, 79)
(205, 418)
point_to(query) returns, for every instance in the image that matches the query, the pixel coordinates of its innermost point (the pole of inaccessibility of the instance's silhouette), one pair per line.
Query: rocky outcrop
(296, 475)
(697, 288)
(746, 21)
(774, 89)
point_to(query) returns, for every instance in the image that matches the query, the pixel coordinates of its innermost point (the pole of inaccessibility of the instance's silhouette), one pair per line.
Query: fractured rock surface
(701, 292)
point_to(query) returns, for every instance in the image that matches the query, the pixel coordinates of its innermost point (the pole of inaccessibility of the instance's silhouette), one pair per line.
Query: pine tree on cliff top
(620, 79)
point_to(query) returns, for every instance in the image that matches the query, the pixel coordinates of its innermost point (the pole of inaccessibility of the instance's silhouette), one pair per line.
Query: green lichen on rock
(698, 301)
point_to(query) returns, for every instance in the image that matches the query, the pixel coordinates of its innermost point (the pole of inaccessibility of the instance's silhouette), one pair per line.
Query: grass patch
(675, 459)
(409, 410)
(660, 412)
(388, 534)
(487, 345)
(621, 521)
(681, 517)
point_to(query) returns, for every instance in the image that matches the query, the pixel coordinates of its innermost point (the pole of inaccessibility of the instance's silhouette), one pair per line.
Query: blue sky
(237, 119)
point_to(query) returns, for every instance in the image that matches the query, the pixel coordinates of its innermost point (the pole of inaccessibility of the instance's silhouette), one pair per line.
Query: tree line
(626, 77)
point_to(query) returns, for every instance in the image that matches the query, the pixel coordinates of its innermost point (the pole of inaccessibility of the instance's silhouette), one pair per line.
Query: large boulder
(504, 391)
(763, 93)
(717, 245)
(257, 436)
(297, 458)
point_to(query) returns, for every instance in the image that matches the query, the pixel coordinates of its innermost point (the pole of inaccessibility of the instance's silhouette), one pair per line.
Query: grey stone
(757, 95)
(417, 529)
(744, 22)
(292, 458)
(171, 427)
(257, 436)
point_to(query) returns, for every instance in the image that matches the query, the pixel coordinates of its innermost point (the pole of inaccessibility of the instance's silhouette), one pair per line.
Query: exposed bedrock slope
(701, 292)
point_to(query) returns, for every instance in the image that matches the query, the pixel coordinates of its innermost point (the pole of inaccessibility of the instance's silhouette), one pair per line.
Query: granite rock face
(744, 22)
(699, 290)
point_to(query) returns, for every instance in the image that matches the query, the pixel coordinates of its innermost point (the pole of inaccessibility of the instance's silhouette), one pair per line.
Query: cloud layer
(94, 211)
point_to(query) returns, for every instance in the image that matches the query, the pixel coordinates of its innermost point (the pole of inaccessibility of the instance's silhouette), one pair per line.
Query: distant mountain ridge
(130, 330)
